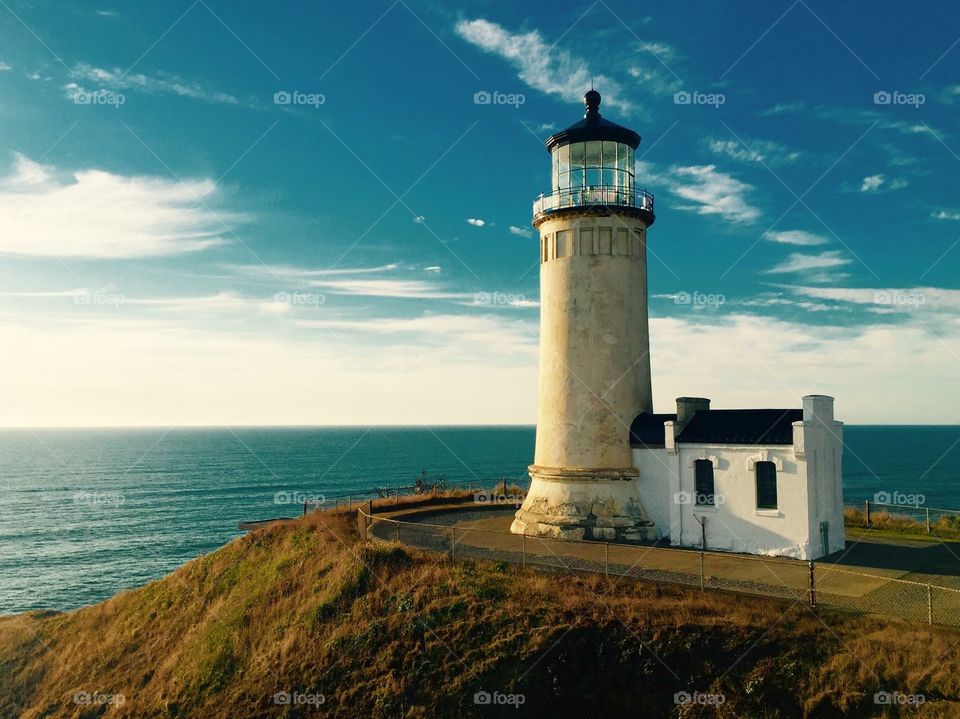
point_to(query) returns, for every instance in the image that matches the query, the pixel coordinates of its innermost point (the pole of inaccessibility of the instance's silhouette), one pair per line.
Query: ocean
(87, 513)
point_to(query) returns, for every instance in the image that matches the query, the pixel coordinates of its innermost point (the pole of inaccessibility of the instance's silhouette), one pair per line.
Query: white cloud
(871, 183)
(712, 192)
(419, 219)
(767, 152)
(452, 369)
(432, 268)
(521, 231)
(799, 262)
(946, 215)
(116, 79)
(113, 374)
(4, 67)
(863, 367)
(879, 183)
(396, 288)
(795, 237)
(476, 222)
(289, 273)
(542, 66)
(892, 298)
(93, 213)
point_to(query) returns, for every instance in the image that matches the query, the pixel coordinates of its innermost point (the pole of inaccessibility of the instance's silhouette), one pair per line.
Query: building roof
(720, 426)
(593, 127)
(647, 429)
(741, 426)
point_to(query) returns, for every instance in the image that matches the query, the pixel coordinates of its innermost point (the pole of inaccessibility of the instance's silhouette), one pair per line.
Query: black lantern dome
(593, 127)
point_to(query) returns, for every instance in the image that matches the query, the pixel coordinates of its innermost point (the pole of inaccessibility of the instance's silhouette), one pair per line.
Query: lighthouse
(594, 372)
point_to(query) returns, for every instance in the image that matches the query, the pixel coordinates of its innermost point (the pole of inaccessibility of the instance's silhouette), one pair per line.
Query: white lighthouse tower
(594, 337)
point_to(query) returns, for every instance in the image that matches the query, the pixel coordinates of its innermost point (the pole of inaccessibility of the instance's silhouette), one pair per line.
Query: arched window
(766, 485)
(703, 482)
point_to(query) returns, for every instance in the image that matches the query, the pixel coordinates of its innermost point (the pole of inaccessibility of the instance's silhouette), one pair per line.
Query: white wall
(655, 470)
(735, 524)
(818, 440)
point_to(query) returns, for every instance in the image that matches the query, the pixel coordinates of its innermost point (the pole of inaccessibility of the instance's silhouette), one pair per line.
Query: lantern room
(593, 165)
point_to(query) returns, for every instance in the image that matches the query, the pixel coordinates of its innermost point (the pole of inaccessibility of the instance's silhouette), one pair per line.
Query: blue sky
(179, 245)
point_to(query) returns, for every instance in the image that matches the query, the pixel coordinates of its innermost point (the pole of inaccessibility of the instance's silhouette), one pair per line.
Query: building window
(703, 481)
(766, 485)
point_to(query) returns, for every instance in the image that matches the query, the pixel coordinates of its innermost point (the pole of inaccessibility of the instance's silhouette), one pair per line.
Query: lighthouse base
(599, 504)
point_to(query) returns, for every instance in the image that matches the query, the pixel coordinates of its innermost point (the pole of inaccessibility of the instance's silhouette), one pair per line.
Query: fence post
(701, 571)
(813, 588)
(337, 506)
(929, 604)
(397, 524)
(453, 543)
(867, 511)
(606, 558)
(928, 520)
(523, 550)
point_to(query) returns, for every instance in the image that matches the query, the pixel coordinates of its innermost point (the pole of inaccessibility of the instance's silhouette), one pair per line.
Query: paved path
(468, 532)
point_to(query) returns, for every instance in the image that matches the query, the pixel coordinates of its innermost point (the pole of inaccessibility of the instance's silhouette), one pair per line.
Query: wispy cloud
(711, 191)
(767, 152)
(93, 213)
(551, 70)
(476, 222)
(946, 215)
(795, 237)
(116, 79)
(4, 67)
(521, 231)
(888, 298)
(512, 336)
(799, 262)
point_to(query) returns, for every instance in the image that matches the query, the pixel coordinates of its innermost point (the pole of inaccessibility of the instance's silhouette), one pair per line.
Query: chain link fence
(822, 586)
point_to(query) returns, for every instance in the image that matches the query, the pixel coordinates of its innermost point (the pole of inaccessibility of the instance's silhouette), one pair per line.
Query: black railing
(598, 195)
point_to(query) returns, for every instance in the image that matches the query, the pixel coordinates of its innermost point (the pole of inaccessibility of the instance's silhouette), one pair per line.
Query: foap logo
(99, 299)
(99, 499)
(295, 97)
(699, 698)
(699, 299)
(294, 497)
(896, 298)
(482, 698)
(303, 699)
(299, 299)
(98, 97)
(714, 99)
(898, 699)
(85, 698)
(895, 97)
(900, 498)
(484, 497)
(499, 299)
(483, 97)
(698, 499)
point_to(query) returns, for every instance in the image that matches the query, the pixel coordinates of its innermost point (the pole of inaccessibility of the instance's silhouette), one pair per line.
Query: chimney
(818, 409)
(687, 407)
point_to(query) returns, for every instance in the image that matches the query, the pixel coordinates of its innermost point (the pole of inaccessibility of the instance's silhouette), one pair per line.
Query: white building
(763, 481)
(606, 467)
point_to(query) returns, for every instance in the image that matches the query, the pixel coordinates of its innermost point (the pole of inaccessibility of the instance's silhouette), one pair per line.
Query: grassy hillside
(307, 608)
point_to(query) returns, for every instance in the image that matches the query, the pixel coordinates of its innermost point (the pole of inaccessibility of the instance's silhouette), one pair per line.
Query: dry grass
(945, 527)
(305, 606)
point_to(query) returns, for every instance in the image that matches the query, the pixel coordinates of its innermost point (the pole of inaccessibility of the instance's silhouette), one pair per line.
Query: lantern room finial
(591, 101)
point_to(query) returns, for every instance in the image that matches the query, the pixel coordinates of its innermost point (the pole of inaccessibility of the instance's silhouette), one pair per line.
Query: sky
(232, 213)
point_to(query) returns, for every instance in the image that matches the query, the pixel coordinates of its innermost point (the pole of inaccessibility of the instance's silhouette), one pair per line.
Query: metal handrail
(609, 195)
